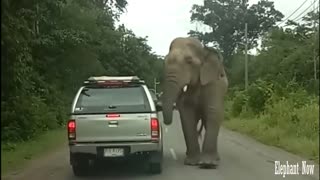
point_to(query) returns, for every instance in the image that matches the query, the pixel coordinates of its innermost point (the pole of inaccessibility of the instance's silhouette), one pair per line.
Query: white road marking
(166, 129)
(173, 154)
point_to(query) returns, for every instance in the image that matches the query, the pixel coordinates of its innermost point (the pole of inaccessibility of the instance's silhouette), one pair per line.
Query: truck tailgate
(113, 128)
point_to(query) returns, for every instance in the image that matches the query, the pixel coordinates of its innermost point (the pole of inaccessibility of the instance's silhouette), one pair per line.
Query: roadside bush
(30, 117)
(253, 100)
(228, 109)
(290, 122)
(297, 121)
(240, 100)
(259, 92)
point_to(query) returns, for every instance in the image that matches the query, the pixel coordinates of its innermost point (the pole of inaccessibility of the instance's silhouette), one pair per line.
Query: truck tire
(155, 168)
(80, 167)
(155, 162)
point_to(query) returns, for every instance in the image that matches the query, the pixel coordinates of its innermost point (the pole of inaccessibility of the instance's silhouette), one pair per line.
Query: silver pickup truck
(114, 117)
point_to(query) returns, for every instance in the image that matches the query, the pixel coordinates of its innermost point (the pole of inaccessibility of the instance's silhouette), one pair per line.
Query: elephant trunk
(170, 94)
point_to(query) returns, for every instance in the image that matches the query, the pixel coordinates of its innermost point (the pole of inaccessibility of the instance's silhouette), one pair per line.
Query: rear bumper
(132, 148)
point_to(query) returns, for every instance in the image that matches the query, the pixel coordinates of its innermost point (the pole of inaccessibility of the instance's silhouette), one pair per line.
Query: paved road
(242, 158)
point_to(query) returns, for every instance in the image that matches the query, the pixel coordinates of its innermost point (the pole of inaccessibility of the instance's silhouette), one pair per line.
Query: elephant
(195, 79)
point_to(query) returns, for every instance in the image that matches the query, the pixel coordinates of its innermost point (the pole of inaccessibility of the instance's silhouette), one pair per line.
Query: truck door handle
(113, 122)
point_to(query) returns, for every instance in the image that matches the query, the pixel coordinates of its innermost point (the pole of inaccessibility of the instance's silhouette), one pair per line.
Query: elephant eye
(189, 59)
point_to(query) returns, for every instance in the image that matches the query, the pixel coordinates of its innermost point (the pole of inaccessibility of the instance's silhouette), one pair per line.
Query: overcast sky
(163, 20)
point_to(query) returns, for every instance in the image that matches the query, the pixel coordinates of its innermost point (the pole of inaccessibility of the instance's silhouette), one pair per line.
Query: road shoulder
(23, 154)
(268, 153)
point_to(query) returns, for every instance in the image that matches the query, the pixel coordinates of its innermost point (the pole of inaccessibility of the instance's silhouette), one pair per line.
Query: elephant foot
(209, 162)
(191, 161)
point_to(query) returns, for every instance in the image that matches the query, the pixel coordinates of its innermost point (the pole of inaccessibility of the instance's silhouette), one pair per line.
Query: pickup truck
(114, 117)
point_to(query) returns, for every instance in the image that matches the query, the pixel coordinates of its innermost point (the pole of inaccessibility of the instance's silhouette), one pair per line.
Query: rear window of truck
(119, 100)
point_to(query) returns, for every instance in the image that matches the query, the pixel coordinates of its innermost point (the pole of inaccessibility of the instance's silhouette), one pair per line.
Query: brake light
(72, 129)
(154, 129)
(111, 83)
(113, 115)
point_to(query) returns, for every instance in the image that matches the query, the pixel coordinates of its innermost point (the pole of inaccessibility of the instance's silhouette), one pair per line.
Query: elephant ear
(211, 68)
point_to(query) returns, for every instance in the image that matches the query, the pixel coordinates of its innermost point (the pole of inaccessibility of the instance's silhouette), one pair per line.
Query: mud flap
(156, 157)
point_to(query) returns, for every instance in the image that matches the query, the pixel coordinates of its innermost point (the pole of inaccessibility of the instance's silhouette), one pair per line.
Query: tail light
(72, 129)
(113, 115)
(155, 129)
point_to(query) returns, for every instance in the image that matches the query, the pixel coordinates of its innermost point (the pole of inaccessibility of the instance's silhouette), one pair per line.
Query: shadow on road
(118, 170)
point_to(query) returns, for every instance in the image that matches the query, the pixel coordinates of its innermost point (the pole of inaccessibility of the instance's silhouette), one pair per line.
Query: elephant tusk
(185, 88)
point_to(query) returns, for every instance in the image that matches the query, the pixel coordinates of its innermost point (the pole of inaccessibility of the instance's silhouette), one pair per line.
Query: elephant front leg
(210, 157)
(189, 127)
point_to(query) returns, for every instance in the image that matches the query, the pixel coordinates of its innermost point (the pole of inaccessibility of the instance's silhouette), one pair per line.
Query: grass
(22, 153)
(275, 136)
(295, 130)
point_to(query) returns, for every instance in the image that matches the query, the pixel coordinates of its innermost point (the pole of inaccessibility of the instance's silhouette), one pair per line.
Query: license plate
(113, 152)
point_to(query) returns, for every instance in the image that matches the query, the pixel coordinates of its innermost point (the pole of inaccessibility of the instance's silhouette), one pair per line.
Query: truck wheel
(155, 162)
(155, 168)
(80, 167)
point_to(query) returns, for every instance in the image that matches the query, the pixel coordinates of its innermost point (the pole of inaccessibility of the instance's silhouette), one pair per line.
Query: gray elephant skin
(195, 79)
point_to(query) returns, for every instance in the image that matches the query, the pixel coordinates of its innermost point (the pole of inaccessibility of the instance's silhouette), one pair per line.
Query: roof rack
(113, 80)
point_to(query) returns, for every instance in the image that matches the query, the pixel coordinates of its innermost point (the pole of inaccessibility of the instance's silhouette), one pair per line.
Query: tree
(227, 18)
(286, 56)
(50, 47)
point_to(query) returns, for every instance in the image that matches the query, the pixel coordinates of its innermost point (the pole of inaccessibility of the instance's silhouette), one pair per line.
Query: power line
(304, 11)
(296, 20)
(293, 12)
(298, 17)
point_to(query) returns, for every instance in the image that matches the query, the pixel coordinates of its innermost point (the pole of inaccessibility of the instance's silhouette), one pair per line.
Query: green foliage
(259, 92)
(287, 57)
(254, 99)
(227, 20)
(262, 94)
(240, 101)
(291, 112)
(290, 122)
(17, 156)
(297, 116)
(50, 47)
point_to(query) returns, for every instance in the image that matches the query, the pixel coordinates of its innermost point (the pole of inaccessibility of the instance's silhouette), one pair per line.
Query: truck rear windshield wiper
(84, 92)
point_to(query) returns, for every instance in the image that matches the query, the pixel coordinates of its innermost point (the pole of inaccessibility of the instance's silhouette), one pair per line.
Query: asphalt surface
(242, 158)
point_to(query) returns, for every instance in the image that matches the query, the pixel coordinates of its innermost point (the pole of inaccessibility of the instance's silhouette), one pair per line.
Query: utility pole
(155, 85)
(315, 55)
(36, 24)
(246, 56)
(315, 41)
(314, 48)
(196, 26)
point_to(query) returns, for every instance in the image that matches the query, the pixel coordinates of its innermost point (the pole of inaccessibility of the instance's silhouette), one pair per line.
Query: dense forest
(49, 47)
